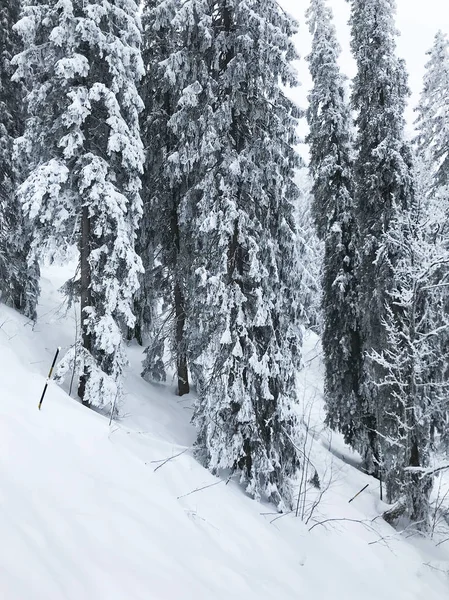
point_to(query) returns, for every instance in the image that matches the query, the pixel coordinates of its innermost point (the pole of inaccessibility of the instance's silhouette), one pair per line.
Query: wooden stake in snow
(50, 373)
(358, 493)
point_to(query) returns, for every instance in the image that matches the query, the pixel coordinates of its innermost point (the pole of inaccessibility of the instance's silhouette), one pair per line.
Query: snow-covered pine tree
(82, 61)
(330, 166)
(19, 273)
(311, 250)
(151, 326)
(414, 361)
(247, 344)
(432, 143)
(383, 190)
(432, 121)
(176, 94)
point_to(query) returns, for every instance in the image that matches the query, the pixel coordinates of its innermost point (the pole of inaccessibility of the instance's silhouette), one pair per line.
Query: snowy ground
(85, 516)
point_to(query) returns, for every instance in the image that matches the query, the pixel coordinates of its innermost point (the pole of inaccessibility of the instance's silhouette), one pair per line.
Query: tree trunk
(395, 512)
(181, 357)
(85, 293)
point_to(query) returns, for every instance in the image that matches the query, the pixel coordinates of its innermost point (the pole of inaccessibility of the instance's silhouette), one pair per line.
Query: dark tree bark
(181, 356)
(85, 292)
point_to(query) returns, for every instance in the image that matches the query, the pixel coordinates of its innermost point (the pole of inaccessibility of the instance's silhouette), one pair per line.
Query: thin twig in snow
(282, 515)
(205, 487)
(442, 542)
(166, 460)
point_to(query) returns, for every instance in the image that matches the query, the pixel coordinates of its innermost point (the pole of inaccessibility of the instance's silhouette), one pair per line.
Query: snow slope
(85, 516)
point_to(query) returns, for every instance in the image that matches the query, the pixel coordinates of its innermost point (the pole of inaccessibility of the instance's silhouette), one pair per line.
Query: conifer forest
(156, 147)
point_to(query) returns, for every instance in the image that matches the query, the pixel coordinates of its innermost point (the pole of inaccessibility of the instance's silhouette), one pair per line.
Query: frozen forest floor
(85, 515)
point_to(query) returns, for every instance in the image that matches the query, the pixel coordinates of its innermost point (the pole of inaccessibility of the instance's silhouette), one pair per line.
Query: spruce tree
(311, 249)
(432, 142)
(82, 62)
(246, 341)
(334, 214)
(415, 361)
(432, 121)
(19, 272)
(383, 190)
(151, 326)
(175, 90)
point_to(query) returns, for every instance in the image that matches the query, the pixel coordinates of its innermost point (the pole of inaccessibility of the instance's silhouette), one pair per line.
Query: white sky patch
(417, 23)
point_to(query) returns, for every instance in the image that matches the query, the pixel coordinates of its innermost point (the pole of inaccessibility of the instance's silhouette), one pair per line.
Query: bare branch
(426, 472)
(166, 460)
(205, 488)
(364, 523)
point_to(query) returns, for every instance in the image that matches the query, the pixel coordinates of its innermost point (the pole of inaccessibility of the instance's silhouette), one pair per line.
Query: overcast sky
(417, 21)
